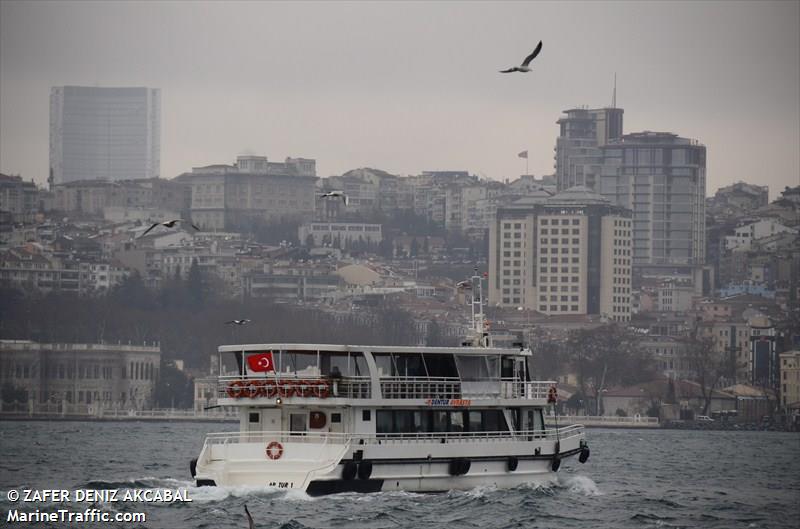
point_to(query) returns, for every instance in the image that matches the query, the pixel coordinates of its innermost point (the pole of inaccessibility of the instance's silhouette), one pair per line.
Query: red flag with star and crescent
(261, 362)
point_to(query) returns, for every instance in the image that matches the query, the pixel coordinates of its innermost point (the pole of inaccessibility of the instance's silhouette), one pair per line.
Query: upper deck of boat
(397, 349)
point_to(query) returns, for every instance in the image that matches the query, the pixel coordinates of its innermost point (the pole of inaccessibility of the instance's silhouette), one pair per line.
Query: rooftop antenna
(614, 96)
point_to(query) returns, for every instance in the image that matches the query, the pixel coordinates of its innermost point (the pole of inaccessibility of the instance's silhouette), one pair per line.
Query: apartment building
(569, 254)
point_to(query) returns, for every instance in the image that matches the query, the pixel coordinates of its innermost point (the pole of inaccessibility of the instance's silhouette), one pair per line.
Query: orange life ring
(323, 388)
(268, 389)
(274, 450)
(236, 389)
(286, 389)
(251, 388)
(303, 388)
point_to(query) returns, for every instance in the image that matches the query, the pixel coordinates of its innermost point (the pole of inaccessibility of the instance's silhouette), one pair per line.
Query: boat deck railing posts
(226, 439)
(420, 388)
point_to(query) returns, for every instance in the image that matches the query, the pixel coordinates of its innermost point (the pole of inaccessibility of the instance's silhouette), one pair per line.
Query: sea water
(634, 478)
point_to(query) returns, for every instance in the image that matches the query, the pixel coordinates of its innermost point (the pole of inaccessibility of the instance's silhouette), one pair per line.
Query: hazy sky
(408, 87)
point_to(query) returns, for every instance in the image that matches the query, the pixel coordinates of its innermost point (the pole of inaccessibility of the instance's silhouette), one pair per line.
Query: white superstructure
(337, 418)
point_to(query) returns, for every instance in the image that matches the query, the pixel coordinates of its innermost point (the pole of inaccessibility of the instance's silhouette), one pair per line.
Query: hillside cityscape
(642, 292)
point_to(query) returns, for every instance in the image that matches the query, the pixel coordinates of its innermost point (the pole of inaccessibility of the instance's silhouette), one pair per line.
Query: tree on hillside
(434, 336)
(607, 356)
(707, 365)
(548, 360)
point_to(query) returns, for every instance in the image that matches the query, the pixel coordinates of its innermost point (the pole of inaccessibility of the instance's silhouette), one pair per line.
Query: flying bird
(237, 322)
(336, 194)
(464, 284)
(167, 224)
(524, 66)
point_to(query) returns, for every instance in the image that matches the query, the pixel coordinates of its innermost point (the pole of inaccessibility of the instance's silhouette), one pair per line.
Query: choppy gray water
(634, 478)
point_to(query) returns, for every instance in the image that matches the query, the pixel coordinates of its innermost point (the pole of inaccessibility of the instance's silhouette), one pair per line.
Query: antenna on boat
(478, 321)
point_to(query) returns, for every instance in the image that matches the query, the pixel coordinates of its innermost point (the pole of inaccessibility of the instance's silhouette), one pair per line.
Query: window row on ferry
(401, 421)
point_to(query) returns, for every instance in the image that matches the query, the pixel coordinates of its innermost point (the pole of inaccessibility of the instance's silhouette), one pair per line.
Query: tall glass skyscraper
(108, 133)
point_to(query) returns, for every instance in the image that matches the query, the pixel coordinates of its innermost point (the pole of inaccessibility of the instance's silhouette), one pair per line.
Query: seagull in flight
(336, 194)
(167, 224)
(524, 68)
(237, 322)
(464, 284)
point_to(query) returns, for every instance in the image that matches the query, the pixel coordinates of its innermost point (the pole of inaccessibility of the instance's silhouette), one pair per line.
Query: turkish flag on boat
(261, 362)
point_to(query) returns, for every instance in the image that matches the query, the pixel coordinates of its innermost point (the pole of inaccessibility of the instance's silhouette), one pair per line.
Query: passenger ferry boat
(349, 418)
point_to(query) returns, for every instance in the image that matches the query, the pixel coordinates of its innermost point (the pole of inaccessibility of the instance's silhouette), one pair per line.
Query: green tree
(606, 356)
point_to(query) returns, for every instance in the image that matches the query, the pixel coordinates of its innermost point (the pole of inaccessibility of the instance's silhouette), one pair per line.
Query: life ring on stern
(236, 389)
(274, 450)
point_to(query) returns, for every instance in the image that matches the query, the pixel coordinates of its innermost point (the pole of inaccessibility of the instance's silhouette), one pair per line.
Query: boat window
(231, 363)
(475, 421)
(457, 421)
(297, 422)
(528, 422)
(538, 424)
(346, 364)
(366, 415)
(410, 365)
(301, 363)
(472, 367)
(439, 421)
(420, 421)
(494, 421)
(440, 365)
(493, 364)
(507, 369)
(403, 421)
(383, 421)
(385, 364)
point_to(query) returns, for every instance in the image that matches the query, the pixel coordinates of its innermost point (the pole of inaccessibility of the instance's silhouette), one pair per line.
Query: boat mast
(481, 335)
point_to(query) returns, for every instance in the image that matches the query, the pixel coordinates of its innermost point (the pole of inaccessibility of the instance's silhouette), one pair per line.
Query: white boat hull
(429, 466)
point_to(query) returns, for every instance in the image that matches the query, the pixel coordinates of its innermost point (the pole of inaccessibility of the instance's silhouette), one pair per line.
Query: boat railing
(236, 386)
(421, 388)
(249, 386)
(517, 389)
(224, 438)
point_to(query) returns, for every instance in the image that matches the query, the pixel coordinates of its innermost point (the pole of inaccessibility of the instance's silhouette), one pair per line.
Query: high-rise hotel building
(661, 177)
(582, 132)
(569, 254)
(104, 133)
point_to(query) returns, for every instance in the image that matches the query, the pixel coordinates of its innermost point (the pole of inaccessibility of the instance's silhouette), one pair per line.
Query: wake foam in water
(579, 484)
(200, 494)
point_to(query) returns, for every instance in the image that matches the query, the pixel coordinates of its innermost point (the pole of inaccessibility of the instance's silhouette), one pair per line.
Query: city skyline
(410, 87)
